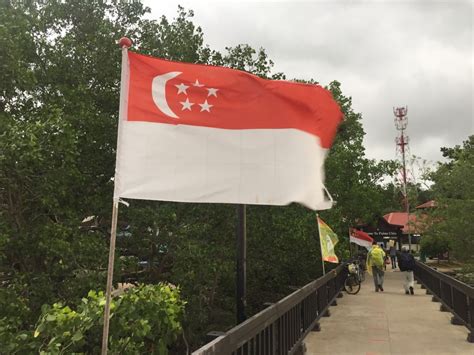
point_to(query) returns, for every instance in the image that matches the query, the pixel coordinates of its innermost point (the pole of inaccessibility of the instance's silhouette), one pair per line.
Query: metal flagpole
(320, 243)
(110, 276)
(124, 43)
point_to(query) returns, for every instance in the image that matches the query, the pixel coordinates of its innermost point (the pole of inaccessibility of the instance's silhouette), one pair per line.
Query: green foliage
(244, 57)
(15, 314)
(435, 244)
(466, 274)
(283, 251)
(147, 319)
(451, 224)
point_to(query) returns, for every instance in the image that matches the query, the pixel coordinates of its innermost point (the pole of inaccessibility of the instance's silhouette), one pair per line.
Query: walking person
(386, 259)
(393, 256)
(375, 265)
(406, 263)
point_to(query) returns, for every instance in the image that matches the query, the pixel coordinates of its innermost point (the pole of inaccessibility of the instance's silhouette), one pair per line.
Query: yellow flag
(328, 240)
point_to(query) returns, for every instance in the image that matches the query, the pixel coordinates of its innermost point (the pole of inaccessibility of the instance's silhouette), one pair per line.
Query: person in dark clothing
(393, 256)
(406, 263)
(385, 259)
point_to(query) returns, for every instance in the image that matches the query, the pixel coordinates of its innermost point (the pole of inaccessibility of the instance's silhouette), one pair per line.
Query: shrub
(145, 319)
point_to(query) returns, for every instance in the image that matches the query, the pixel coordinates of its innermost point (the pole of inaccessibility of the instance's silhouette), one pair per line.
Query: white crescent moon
(158, 91)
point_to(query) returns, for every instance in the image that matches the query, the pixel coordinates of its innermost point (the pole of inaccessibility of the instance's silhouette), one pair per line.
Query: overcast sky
(385, 53)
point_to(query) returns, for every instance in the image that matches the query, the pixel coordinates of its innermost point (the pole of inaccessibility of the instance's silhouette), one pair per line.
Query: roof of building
(429, 204)
(401, 219)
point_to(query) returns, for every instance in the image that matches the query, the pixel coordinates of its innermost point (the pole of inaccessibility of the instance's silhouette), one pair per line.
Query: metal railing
(281, 328)
(455, 296)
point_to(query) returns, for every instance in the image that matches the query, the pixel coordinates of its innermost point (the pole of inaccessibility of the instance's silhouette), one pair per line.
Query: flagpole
(124, 43)
(110, 276)
(350, 244)
(320, 247)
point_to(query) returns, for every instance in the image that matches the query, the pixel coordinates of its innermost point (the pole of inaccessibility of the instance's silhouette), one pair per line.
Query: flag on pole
(197, 133)
(361, 238)
(328, 240)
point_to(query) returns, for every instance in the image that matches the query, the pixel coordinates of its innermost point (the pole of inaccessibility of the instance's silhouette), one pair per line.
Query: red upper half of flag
(200, 95)
(361, 235)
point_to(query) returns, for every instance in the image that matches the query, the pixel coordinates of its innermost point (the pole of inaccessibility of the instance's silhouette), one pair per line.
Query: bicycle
(355, 277)
(360, 270)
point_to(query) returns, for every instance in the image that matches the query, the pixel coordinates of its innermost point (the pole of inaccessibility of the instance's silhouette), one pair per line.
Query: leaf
(77, 336)
(162, 349)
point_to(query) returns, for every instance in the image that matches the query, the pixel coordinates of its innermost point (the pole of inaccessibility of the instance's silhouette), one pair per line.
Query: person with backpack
(406, 264)
(375, 265)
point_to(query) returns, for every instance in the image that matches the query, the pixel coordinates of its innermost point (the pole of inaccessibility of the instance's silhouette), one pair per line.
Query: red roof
(428, 204)
(401, 219)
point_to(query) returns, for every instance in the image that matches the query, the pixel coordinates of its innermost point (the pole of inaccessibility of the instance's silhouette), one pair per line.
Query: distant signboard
(383, 234)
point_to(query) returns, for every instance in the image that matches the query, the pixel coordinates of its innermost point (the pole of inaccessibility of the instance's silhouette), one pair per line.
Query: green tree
(451, 220)
(56, 155)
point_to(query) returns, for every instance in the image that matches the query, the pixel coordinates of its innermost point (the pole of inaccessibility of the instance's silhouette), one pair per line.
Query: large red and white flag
(361, 238)
(197, 133)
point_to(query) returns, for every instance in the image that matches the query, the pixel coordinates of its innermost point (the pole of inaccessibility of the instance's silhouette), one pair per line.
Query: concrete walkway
(389, 322)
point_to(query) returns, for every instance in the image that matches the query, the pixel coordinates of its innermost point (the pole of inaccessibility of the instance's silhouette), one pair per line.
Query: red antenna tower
(401, 123)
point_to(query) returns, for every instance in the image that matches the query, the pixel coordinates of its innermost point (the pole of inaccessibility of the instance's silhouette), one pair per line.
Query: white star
(205, 106)
(186, 105)
(212, 92)
(182, 88)
(198, 84)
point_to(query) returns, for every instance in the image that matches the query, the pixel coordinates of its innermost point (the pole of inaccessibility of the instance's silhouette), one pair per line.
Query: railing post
(443, 308)
(274, 346)
(470, 336)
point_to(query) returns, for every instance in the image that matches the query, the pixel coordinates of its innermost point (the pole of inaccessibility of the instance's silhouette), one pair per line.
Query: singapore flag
(197, 133)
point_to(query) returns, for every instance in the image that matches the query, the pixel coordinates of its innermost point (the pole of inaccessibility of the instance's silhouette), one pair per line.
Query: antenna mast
(401, 123)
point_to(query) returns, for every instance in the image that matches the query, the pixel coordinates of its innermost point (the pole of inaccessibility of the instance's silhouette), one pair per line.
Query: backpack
(407, 262)
(377, 256)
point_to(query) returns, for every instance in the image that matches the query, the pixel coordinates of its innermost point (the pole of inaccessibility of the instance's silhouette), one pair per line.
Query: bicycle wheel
(352, 284)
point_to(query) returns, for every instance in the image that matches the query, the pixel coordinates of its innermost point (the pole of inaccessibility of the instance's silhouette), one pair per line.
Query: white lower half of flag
(363, 243)
(201, 164)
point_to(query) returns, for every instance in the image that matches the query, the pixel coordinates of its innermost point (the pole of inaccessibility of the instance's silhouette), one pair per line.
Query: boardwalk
(388, 322)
